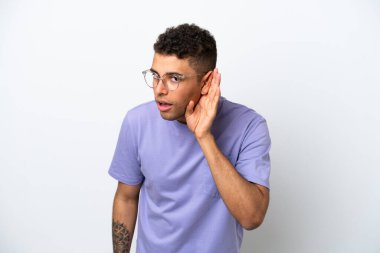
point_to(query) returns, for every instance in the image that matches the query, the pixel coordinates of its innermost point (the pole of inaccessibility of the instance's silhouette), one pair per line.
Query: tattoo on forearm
(121, 238)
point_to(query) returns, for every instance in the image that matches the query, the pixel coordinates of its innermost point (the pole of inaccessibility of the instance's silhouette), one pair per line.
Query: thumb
(189, 108)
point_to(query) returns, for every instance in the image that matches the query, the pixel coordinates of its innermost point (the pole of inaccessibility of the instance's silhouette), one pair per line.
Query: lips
(164, 106)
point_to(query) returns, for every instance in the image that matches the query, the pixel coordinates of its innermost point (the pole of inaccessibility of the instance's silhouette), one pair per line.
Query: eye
(155, 75)
(175, 78)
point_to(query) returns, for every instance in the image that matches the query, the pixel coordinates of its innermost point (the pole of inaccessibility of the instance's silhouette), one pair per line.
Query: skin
(124, 214)
(189, 89)
(194, 103)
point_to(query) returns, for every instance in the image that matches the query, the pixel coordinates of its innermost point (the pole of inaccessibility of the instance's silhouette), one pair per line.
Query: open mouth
(164, 106)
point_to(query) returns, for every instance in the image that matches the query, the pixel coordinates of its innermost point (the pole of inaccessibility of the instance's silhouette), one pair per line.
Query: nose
(160, 88)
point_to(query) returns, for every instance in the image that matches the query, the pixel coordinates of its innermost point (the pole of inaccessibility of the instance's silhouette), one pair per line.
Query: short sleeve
(125, 165)
(253, 161)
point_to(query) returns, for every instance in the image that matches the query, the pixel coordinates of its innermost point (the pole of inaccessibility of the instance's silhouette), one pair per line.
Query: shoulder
(146, 107)
(238, 113)
(244, 122)
(140, 114)
(141, 111)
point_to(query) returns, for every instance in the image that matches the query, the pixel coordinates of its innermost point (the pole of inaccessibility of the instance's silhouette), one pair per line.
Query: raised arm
(124, 216)
(246, 201)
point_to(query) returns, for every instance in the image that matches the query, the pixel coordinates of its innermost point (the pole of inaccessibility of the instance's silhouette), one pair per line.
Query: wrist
(205, 137)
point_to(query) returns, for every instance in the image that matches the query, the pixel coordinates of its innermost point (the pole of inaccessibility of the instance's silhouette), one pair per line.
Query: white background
(69, 71)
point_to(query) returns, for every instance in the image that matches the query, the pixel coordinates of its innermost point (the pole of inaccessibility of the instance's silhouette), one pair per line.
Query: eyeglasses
(170, 80)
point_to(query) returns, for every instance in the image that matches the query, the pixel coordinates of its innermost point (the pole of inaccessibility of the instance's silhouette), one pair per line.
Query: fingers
(215, 86)
(216, 77)
(216, 97)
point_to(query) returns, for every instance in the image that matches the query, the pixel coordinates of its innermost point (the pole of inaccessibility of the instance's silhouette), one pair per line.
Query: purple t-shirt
(180, 209)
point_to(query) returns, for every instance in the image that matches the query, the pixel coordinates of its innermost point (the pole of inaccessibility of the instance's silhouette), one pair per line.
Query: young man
(195, 165)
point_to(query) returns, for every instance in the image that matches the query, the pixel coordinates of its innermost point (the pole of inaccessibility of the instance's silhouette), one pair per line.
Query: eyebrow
(167, 73)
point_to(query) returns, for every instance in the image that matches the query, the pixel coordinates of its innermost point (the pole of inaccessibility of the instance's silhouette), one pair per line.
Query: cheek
(195, 97)
(183, 103)
(186, 95)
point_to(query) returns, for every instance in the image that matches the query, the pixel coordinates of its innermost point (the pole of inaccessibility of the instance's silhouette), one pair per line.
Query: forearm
(124, 215)
(246, 201)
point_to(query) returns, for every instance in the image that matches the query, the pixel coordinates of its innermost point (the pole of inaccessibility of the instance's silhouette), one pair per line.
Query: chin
(171, 117)
(168, 117)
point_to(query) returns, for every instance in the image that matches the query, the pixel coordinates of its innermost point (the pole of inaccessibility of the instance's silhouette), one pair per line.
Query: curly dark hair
(189, 41)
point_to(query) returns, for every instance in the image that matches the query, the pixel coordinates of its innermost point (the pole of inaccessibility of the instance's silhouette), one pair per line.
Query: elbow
(253, 215)
(252, 222)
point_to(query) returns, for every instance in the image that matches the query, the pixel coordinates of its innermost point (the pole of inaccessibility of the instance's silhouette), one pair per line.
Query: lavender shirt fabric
(180, 209)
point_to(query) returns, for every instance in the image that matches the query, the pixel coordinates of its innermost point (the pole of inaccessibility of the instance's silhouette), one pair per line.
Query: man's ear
(206, 82)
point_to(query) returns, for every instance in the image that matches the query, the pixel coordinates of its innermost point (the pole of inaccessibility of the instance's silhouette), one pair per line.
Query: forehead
(170, 64)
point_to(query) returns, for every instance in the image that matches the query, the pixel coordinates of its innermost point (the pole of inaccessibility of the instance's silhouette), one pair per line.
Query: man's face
(172, 104)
